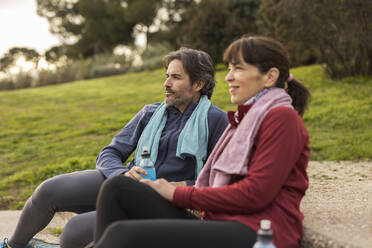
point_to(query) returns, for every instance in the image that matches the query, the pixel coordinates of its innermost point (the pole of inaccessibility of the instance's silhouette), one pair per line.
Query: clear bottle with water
(147, 165)
(265, 236)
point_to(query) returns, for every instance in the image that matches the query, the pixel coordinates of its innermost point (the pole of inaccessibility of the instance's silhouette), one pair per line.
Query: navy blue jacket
(168, 165)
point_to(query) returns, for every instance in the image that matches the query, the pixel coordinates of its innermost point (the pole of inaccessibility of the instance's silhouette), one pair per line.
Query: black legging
(131, 214)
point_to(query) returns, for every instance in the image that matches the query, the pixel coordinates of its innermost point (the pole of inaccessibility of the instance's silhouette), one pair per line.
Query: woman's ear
(272, 76)
(198, 85)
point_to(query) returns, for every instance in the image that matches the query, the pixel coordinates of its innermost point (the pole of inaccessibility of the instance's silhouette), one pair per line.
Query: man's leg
(167, 233)
(78, 232)
(73, 192)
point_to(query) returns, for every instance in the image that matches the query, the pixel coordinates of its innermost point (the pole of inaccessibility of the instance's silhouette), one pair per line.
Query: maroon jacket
(273, 187)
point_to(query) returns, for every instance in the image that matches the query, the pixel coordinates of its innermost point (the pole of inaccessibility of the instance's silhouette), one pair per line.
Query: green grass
(58, 129)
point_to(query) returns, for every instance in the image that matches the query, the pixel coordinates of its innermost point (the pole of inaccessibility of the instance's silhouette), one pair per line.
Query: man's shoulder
(216, 111)
(216, 114)
(150, 108)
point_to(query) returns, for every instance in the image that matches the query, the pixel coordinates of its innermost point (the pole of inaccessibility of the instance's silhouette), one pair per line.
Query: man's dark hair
(197, 64)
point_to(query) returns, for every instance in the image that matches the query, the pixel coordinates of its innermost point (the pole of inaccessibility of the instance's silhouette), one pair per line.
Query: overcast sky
(20, 26)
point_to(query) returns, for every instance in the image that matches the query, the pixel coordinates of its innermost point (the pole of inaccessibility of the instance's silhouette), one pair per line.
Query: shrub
(336, 32)
(45, 77)
(6, 84)
(152, 57)
(103, 71)
(22, 80)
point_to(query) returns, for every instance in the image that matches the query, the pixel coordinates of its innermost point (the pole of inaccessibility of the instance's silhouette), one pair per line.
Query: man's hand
(164, 188)
(135, 173)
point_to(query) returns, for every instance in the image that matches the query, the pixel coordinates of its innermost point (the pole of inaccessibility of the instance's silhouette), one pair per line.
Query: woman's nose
(229, 77)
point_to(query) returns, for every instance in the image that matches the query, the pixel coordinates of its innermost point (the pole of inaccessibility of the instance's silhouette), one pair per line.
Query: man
(180, 134)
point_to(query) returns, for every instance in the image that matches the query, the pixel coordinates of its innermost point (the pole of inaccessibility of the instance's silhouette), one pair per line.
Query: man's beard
(175, 99)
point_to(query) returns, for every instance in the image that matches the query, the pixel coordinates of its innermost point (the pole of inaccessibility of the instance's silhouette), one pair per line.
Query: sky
(20, 26)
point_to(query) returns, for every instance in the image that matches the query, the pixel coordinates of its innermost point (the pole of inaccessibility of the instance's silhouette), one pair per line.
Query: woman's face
(245, 81)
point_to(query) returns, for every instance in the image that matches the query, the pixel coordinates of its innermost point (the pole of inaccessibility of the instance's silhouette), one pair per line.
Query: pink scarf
(232, 152)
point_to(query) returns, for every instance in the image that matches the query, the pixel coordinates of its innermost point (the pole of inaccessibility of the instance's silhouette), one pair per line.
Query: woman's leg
(75, 192)
(177, 233)
(122, 198)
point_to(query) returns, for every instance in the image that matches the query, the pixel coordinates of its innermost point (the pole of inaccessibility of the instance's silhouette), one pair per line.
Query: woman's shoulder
(284, 113)
(284, 117)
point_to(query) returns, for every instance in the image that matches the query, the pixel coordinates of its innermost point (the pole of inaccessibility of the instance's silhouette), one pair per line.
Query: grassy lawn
(58, 129)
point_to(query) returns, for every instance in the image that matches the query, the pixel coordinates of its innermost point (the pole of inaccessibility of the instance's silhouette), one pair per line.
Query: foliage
(6, 84)
(70, 70)
(337, 32)
(228, 20)
(22, 80)
(152, 57)
(41, 129)
(273, 21)
(9, 58)
(90, 27)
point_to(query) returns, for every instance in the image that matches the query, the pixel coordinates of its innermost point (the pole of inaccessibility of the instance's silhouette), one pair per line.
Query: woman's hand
(162, 186)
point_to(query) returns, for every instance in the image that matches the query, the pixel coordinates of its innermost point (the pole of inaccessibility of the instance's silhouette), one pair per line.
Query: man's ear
(272, 76)
(198, 85)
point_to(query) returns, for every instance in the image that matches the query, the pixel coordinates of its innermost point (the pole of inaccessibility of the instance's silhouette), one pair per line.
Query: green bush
(45, 77)
(104, 71)
(6, 84)
(22, 80)
(336, 33)
(152, 57)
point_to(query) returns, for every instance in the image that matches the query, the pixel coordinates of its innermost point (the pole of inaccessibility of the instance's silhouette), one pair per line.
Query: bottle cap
(145, 152)
(265, 224)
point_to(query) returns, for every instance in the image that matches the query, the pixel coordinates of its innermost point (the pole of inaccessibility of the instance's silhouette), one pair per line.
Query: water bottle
(264, 236)
(147, 165)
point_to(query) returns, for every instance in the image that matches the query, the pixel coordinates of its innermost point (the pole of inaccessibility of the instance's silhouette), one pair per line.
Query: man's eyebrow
(174, 74)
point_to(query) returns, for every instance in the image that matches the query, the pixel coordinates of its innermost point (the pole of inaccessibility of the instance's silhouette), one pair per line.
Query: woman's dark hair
(266, 53)
(197, 64)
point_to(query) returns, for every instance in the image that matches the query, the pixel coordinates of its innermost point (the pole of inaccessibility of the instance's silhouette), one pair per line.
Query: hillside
(56, 129)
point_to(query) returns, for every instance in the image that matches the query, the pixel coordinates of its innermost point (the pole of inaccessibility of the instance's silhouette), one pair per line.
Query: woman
(256, 171)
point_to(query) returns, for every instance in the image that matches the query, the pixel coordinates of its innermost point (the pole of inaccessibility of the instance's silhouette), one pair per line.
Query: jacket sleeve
(111, 158)
(279, 144)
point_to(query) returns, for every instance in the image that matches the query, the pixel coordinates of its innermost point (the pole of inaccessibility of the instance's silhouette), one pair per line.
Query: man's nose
(168, 82)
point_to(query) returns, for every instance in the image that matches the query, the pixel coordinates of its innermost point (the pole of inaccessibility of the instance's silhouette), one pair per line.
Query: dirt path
(338, 204)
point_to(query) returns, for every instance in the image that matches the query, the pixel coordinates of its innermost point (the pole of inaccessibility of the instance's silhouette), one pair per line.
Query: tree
(9, 59)
(170, 23)
(213, 24)
(337, 32)
(91, 27)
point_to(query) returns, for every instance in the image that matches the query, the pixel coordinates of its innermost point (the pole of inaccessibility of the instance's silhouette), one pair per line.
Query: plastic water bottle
(265, 236)
(147, 165)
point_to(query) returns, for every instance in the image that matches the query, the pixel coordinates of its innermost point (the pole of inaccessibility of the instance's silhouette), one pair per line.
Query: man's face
(178, 89)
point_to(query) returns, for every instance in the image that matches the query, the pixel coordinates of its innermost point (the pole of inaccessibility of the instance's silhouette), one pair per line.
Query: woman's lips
(233, 89)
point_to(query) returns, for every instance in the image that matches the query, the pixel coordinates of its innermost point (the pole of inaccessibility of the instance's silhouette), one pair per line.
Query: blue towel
(192, 141)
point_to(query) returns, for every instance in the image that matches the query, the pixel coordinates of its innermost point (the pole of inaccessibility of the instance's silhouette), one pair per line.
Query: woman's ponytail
(300, 95)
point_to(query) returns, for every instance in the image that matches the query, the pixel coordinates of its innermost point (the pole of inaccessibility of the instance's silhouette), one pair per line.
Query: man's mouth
(168, 92)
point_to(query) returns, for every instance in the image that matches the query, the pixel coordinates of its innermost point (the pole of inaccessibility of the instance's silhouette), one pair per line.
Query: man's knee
(78, 232)
(47, 191)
